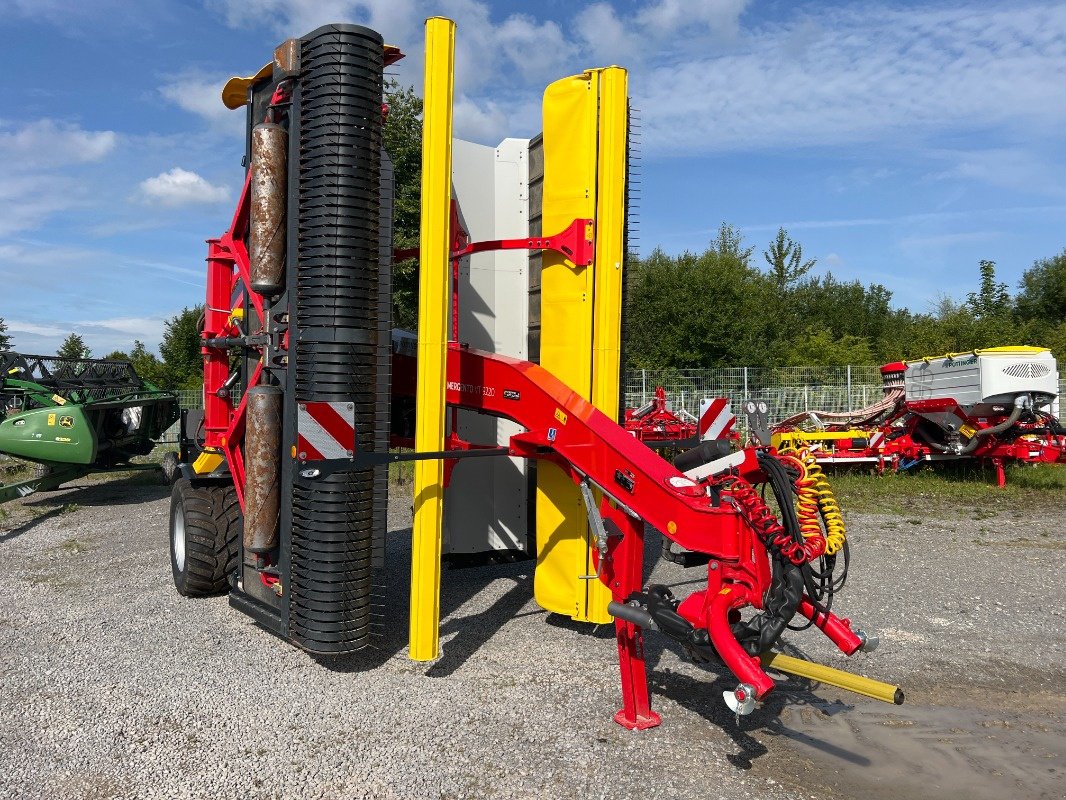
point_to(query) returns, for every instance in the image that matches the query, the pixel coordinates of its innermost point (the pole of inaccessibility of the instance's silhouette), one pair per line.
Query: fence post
(745, 397)
(643, 386)
(850, 406)
(806, 401)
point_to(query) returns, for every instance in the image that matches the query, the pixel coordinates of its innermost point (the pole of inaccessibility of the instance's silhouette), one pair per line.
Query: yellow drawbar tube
(433, 309)
(585, 136)
(878, 690)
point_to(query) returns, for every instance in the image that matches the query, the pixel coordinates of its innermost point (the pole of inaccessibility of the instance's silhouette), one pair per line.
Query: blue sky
(898, 142)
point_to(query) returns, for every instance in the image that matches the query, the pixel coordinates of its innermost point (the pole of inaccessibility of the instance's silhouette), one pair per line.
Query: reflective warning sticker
(325, 431)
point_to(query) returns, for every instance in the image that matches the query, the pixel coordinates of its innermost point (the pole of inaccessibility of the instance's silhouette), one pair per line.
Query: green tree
(182, 363)
(785, 258)
(74, 347)
(991, 301)
(817, 347)
(117, 355)
(694, 311)
(147, 365)
(403, 142)
(1043, 291)
(5, 338)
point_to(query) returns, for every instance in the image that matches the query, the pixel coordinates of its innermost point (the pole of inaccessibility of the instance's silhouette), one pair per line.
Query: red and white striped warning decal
(877, 439)
(716, 418)
(325, 430)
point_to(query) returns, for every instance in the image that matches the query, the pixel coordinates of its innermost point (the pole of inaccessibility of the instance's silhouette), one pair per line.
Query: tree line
(723, 308)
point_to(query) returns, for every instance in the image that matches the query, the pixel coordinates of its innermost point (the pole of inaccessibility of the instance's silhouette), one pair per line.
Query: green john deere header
(76, 416)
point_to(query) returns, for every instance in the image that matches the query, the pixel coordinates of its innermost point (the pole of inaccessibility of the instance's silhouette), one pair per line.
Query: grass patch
(74, 545)
(950, 490)
(402, 472)
(70, 508)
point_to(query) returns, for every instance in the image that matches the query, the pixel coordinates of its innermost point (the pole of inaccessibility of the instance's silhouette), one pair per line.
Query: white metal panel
(1005, 375)
(486, 505)
(986, 378)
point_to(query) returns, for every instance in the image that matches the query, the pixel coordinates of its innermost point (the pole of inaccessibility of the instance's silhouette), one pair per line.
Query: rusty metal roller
(262, 458)
(268, 184)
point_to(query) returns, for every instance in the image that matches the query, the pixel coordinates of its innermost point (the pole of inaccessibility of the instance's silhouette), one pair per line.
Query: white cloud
(863, 73)
(102, 336)
(1015, 168)
(179, 187)
(43, 162)
(22, 326)
(201, 95)
(52, 143)
(481, 122)
(667, 17)
(28, 200)
(905, 219)
(831, 75)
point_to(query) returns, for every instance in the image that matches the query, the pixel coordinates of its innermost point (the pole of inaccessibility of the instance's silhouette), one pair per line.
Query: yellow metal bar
(433, 307)
(878, 690)
(800, 437)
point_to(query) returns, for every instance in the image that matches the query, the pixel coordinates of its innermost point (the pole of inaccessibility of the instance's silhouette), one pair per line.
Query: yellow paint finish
(868, 687)
(610, 240)
(611, 173)
(796, 438)
(433, 305)
(585, 136)
(206, 463)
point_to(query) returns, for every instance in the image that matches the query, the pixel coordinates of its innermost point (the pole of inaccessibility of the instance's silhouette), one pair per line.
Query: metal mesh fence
(786, 390)
(187, 398)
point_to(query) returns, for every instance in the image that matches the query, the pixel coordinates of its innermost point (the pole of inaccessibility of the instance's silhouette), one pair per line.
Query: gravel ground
(115, 686)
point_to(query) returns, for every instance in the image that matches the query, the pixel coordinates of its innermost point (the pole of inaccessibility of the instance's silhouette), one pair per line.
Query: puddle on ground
(865, 749)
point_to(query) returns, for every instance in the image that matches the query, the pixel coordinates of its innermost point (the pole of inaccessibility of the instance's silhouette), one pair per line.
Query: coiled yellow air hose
(815, 498)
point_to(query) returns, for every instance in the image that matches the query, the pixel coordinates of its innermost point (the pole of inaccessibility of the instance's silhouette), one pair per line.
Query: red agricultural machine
(995, 405)
(283, 492)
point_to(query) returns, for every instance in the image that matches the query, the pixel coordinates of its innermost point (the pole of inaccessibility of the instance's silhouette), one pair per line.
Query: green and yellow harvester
(72, 417)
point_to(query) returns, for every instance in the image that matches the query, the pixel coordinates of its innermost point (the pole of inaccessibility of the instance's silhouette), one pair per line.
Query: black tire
(43, 471)
(169, 465)
(205, 529)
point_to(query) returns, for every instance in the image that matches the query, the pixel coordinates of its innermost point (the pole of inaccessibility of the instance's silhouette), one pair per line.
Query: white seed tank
(985, 382)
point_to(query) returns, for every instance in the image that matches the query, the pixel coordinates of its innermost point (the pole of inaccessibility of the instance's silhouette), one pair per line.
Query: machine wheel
(43, 471)
(205, 528)
(169, 465)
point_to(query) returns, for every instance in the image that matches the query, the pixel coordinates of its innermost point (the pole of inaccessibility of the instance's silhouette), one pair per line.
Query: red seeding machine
(283, 493)
(996, 405)
(660, 427)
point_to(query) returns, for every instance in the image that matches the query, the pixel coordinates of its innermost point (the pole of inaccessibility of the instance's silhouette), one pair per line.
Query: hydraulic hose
(815, 498)
(1021, 402)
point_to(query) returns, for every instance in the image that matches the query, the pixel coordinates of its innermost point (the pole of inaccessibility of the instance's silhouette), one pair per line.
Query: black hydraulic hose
(637, 616)
(1015, 414)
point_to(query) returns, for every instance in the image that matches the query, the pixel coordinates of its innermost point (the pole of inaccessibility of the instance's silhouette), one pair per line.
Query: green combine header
(76, 416)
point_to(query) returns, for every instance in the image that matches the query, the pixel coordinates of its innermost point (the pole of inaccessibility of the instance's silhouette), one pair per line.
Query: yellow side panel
(433, 306)
(570, 140)
(585, 136)
(610, 244)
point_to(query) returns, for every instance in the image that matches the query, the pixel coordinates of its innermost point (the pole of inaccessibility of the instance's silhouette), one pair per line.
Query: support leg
(1001, 474)
(624, 574)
